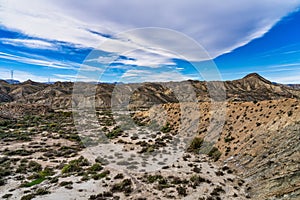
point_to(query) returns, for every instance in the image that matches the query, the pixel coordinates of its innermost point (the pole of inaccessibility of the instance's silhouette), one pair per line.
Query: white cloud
(137, 75)
(72, 78)
(34, 61)
(147, 59)
(30, 43)
(218, 26)
(292, 79)
(44, 62)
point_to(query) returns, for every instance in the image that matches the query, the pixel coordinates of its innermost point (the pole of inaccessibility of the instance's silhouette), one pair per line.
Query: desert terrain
(160, 147)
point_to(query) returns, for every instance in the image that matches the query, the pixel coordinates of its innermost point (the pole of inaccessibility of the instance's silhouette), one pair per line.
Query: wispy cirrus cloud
(137, 75)
(30, 43)
(217, 26)
(34, 61)
(293, 78)
(70, 77)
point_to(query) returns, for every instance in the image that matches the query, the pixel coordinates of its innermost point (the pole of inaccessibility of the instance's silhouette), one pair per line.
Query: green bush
(181, 191)
(34, 166)
(228, 139)
(166, 128)
(153, 178)
(75, 165)
(215, 154)
(35, 182)
(197, 179)
(28, 197)
(117, 131)
(65, 183)
(195, 145)
(47, 172)
(18, 152)
(124, 186)
(42, 191)
(95, 167)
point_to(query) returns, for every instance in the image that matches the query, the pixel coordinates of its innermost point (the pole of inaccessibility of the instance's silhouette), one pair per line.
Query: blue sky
(41, 39)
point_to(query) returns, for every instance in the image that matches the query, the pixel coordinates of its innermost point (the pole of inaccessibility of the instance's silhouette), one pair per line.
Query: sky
(137, 41)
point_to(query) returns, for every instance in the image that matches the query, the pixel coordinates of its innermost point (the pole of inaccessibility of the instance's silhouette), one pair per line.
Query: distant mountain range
(59, 94)
(12, 81)
(294, 86)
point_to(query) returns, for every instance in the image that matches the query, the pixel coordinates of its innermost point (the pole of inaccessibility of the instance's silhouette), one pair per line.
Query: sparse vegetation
(123, 186)
(195, 145)
(75, 165)
(166, 128)
(215, 154)
(35, 137)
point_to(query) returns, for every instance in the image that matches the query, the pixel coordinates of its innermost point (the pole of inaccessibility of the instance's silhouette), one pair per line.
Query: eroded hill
(260, 140)
(59, 95)
(255, 155)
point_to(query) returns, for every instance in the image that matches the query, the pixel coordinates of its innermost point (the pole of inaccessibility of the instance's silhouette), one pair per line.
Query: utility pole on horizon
(12, 74)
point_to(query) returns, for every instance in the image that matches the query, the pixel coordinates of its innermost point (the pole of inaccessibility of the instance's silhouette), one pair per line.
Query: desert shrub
(148, 149)
(195, 145)
(34, 166)
(134, 137)
(46, 172)
(4, 172)
(228, 139)
(217, 190)
(104, 195)
(6, 196)
(28, 197)
(198, 179)
(181, 191)
(95, 167)
(166, 128)
(18, 152)
(2, 182)
(219, 173)
(42, 191)
(101, 175)
(75, 165)
(39, 177)
(162, 184)
(71, 136)
(101, 160)
(117, 131)
(214, 153)
(119, 176)
(54, 180)
(4, 123)
(153, 178)
(22, 168)
(65, 183)
(124, 186)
